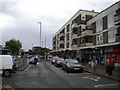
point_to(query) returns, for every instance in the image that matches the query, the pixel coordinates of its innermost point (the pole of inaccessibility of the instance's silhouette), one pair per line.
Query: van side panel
(6, 62)
(0, 64)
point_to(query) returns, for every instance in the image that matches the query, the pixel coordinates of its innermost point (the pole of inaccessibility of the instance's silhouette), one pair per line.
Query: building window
(83, 17)
(111, 20)
(99, 39)
(99, 25)
(112, 36)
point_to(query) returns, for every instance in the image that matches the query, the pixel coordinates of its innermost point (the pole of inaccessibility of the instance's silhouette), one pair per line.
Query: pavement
(101, 70)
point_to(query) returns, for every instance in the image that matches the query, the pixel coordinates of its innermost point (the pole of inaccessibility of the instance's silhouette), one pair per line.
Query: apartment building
(67, 37)
(106, 33)
(89, 34)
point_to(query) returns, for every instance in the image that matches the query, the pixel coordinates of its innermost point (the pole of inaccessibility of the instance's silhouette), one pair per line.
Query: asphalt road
(46, 75)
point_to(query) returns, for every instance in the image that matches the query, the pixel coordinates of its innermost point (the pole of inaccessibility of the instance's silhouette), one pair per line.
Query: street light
(40, 31)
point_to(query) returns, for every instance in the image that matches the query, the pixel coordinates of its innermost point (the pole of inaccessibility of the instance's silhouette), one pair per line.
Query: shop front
(87, 55)
(113, 51)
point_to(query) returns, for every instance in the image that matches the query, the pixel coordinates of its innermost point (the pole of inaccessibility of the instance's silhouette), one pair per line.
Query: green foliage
(14, 46)
(38, 51)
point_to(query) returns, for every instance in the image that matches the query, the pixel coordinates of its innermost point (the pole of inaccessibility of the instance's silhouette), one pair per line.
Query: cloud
(19, 18)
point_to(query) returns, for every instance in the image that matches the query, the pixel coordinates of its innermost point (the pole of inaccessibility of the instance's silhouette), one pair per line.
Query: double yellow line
(7, 87)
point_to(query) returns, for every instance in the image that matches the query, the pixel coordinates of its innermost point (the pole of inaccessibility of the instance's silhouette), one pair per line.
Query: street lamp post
(40, 31)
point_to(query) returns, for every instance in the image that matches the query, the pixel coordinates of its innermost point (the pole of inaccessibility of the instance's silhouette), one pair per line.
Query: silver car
(59, 62)
(53, 59)
(72, 65)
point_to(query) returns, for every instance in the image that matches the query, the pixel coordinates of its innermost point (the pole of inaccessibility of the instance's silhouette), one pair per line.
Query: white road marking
(94, 78)
(76, 73)
(106, 85)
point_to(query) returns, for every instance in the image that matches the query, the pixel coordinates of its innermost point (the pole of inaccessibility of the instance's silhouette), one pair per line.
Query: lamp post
(45, 42)
(40, 31)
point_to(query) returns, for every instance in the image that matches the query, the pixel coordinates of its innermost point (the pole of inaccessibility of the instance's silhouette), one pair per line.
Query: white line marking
(94, 78)
(106, 85)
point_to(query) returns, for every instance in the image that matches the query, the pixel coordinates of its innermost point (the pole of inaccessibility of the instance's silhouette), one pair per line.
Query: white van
(6, 63)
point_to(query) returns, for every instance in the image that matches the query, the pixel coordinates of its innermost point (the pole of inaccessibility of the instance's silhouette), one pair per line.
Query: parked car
(59, 61)
(6, 64)
(53, 59)
(33, 60)
(72, 65)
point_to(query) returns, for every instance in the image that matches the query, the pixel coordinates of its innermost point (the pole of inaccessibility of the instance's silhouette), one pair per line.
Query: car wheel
(67, 69)
(81, 71)
(6, 73)
(62, 68)
(13, 70)
(56, 65)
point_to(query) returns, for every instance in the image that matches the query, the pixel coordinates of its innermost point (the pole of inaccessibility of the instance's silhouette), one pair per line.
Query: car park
(59, 62)
(70, 65)
(53, 59)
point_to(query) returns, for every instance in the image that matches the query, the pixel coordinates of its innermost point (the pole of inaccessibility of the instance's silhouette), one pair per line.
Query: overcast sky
(19, 18)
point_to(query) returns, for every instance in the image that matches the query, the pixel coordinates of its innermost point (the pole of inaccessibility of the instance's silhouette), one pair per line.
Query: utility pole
(42, 43)
(40, 31)
(45, 42)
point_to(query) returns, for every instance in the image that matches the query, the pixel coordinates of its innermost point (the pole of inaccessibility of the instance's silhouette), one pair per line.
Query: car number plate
(76, 68)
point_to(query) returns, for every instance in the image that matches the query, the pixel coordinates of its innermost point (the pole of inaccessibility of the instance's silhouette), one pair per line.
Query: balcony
(74, 46)
(62, 34)
(99, 42)
(87, 32)
(74, 25)
(86, 44)
(117, 19)
(62, 42)
(117, 37)
(74, 36)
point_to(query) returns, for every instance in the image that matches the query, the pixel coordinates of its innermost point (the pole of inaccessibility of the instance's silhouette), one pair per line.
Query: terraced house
(89, 34)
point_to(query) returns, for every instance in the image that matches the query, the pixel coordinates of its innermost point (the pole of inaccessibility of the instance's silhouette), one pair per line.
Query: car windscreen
(60, 59)
(72, 61)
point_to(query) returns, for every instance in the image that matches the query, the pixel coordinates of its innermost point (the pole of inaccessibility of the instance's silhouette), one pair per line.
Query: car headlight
(53, 60)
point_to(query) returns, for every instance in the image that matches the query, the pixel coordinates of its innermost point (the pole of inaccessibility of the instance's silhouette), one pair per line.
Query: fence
(22, 63)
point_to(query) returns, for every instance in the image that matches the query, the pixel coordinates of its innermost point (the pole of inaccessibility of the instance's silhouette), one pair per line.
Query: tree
(37, 50)
(14, 46)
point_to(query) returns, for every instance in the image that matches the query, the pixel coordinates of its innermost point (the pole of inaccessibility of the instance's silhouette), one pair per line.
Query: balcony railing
(62, 42)
(62, 34)
(74, 46)
(86, 44)
(117, 19)
(87, 32)
(117, 37)
(74, 25)
(99, 42)
(74, 36)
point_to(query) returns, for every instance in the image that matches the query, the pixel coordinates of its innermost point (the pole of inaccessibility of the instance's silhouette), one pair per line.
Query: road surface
(46, 75)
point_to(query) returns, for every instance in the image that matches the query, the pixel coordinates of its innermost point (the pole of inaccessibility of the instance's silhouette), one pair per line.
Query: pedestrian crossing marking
(8, 87)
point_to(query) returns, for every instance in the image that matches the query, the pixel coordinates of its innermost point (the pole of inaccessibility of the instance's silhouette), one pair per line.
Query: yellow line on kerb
(8, 87)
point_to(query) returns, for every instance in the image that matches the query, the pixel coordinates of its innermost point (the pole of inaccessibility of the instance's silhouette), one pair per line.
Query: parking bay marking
(8, 87)
(106, 85)
(92, 78)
